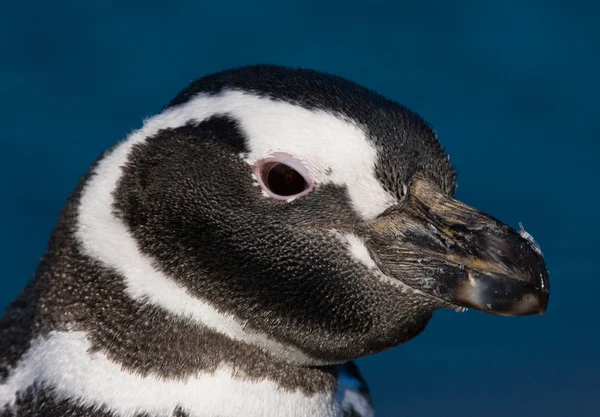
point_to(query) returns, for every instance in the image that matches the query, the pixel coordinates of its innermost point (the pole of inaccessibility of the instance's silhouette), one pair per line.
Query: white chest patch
(334, 150)
(62, 362)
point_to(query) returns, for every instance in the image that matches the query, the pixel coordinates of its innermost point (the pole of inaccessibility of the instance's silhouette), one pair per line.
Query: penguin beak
(451, 251)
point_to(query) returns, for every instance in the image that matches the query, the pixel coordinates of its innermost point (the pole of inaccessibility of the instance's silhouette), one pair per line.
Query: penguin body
(235, 254)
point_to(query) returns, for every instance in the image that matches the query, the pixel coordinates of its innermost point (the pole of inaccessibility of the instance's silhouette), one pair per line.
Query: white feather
(359, 251)
(62, 361)
(334, 149)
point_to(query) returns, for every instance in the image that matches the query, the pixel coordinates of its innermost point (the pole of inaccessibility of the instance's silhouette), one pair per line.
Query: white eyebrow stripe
(335, 149)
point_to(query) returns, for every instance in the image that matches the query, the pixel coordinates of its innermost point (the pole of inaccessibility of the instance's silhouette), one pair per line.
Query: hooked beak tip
(502, 295)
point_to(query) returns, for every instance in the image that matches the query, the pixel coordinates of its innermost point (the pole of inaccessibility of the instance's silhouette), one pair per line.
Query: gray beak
(449, 250)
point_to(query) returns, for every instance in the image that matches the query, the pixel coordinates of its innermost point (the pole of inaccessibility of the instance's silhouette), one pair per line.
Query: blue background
(511, 87)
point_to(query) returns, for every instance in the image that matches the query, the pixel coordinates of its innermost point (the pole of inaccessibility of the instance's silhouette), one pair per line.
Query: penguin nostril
(283, 177)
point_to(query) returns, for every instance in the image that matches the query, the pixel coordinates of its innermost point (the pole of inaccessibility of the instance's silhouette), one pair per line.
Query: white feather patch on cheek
(359, 251)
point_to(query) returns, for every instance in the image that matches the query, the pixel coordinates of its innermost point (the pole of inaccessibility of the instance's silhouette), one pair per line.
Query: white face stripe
(106, 239)
(62, 362)
(334, 150)
(359, 251)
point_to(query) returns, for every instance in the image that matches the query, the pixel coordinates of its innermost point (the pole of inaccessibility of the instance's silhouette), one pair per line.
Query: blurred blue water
(511, 88)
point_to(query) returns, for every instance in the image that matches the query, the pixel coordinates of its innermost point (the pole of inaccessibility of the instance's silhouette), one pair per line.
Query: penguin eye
(283, 177)
(283, 180)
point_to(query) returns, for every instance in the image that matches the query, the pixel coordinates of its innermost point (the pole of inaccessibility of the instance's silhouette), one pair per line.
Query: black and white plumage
(178, 283)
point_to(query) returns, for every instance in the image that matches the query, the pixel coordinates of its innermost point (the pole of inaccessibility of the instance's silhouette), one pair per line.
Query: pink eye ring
(283, 177)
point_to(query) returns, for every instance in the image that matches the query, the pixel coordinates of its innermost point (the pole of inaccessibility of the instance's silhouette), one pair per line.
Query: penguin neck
(84, 310)
(148, 339)
(131, 342)
(151, 341)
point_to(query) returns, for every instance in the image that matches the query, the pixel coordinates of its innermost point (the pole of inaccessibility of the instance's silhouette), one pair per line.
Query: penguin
(234, 255)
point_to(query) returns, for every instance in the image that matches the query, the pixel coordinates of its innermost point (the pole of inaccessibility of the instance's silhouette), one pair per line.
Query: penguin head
(301, 213)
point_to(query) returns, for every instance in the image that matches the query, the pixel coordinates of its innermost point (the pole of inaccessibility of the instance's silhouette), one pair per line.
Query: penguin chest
(59, 375)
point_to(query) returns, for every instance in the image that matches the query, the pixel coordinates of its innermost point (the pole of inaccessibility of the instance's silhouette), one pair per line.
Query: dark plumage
(276, 292)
